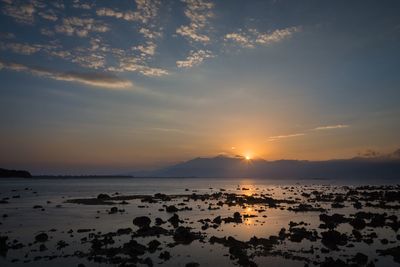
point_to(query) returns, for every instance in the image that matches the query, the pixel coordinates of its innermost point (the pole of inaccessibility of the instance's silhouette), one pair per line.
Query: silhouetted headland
(14, 173)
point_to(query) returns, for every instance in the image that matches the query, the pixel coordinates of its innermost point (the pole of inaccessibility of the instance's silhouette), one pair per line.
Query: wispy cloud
(240, 39)
(132, 64)
(20, 48)
(331, 127)
(252, 37)
(278, 137)
(80, 26)
(199, 12)
(195, 58)
(319, 128)
(21, 12)
(104, 80)
(145, 11)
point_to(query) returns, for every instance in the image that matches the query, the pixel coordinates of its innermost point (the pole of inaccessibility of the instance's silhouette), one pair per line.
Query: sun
(247, 157)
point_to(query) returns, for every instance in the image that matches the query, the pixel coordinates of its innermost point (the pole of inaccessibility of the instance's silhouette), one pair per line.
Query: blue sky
(105, 86)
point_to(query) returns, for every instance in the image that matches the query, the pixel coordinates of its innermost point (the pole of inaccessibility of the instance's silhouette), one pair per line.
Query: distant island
(222, 166)
(4, 173)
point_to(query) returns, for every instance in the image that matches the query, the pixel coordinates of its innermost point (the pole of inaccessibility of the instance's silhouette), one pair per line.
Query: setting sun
(247, 157)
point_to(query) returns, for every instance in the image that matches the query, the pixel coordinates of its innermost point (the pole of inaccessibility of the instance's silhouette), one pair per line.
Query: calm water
(23, 222)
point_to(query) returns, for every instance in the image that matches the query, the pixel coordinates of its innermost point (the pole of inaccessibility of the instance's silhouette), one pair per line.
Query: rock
(124, 231)
(394, 252)
(159, 221)
(113, 210)
(331, 239)
(61, 244)
(358, 223)
(142, 221)
(305, 208)
(298, 234)
(332, 221)
(103, 197)
(237, 218)
(3, 245)
(165, 255)
(360, 259)
(174, 220)
(83, 230)
(134, 249)
(147, 261)
(217, 220)
(192, 264)
(43, 237)
(171, 209)
(153, 245)
(183, 235)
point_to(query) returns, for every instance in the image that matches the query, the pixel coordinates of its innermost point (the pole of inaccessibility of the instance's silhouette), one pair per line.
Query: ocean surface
(39, 205)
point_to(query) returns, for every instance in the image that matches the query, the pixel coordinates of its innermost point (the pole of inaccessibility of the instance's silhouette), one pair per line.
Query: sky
(112, 86)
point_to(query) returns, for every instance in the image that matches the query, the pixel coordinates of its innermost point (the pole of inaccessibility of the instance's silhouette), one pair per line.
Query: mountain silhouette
(386, 167)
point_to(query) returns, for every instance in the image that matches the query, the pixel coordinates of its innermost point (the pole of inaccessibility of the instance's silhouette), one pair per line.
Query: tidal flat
(200, 222)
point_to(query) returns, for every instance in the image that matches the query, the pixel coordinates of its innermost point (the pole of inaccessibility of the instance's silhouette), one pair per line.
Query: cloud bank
(103, 80)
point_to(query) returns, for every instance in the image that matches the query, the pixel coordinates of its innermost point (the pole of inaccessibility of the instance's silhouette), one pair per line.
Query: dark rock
(183, 235)
(331, 239)
(142, 221)
(124, 231)
(165, 255)
(3, 245)
(360, 259)
(171, 209)
(103, 197)
(159, 221)
(153, 245)
(113, 210)
(358, 223)
(174, 220)
(217, 220)
(61, 244)
(237, 218)
(83, 230)
(42, 237)
(305, 208)
(332, 221)
(192, 264)
(394, 252)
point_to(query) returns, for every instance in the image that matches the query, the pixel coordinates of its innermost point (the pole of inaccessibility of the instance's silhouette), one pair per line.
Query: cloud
(149, 34)
(21, 12)
(331, 127)
(80, 26)
(195, 58)
(146, 10)
(251, 37)
(278, 137)
(276, 36)
(319, 128)
(104, 80)
(240, 39)
(18, 48)
(147, 50)
(135, 65)
(199, 12)
(48, 15)
(79, 5)
(191, 33)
